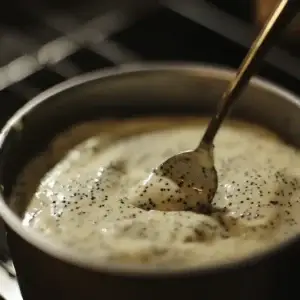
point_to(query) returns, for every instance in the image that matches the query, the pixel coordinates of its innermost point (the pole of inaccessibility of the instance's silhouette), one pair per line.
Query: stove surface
(47, 44)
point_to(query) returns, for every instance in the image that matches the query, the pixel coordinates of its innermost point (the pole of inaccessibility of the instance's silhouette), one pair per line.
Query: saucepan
(46, 271)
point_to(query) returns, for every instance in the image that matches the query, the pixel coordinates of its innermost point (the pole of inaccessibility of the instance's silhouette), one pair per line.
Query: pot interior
(153, 92)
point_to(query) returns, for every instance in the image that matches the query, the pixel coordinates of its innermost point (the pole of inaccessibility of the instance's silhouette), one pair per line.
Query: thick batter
(84, 199)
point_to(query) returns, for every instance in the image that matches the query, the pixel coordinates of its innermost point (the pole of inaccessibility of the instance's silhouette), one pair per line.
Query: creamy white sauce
(80, 193)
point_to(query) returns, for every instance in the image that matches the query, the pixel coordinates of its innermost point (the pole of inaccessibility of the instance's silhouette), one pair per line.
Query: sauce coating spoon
(189, 180)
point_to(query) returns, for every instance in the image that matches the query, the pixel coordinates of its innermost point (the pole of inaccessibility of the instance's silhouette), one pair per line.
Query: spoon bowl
(187, 181)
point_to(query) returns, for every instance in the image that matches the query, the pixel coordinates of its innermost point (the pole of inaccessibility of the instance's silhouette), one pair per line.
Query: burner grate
(64, 43)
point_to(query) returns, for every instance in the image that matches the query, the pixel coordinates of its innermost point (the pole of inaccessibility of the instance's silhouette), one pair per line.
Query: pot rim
(40, 242)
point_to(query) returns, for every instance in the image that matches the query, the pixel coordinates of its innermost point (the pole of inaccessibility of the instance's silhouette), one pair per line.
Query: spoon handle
(279, 19)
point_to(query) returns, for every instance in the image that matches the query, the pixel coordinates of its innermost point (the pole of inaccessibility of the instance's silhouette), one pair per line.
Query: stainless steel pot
(46, 271)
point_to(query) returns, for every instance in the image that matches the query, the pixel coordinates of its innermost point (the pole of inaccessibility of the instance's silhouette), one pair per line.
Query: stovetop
(42, 45)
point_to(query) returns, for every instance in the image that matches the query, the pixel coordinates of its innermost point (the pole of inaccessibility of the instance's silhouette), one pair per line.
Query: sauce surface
(79, 193)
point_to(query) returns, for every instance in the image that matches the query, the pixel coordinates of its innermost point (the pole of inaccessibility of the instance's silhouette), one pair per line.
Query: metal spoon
(189, 180)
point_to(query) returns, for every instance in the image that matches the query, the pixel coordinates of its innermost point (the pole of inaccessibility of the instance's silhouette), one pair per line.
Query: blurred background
(44, 42)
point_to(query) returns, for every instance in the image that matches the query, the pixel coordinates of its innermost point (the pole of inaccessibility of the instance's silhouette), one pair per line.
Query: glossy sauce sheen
(85, 203)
